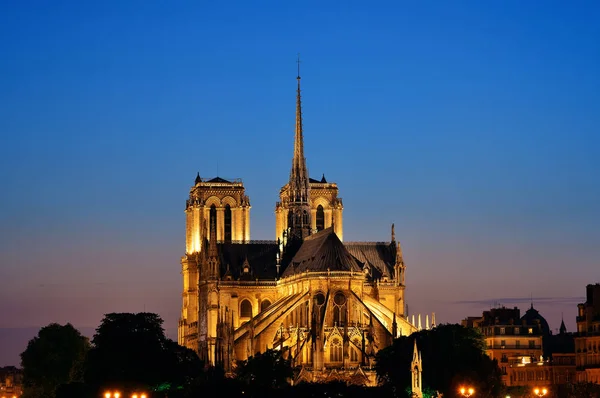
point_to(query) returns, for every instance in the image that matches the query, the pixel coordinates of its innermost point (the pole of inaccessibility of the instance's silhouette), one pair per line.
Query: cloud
(496, 301)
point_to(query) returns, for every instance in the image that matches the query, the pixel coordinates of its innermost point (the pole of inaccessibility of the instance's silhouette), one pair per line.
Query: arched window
(227, 237)
(245, 309)
(290, 218)
(264, 305)
(339, 309)
(354, 353)
(320, 218)
(213, 219)
(335, 350)
(336, 316)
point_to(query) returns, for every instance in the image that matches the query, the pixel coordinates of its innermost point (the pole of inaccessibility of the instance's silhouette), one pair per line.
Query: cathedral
(328, 305)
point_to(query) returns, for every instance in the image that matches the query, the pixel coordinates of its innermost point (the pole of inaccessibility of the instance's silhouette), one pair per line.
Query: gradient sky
(473, 126)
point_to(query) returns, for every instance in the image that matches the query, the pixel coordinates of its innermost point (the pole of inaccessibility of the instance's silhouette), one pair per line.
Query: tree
(54, 357)
(268, 370)
(131, 351)
(452, 355)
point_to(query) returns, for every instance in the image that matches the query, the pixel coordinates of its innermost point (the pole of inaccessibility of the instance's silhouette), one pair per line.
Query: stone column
(337, 216)
(220, 223)
(247, 223)
(189, 247)
(197, 230)
(327, 214)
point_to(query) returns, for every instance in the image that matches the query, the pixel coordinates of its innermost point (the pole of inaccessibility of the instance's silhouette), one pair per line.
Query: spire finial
(393, 233)
(298, 62)
(531, 300)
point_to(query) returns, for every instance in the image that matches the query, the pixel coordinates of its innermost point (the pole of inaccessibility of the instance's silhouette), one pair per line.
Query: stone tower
(213, 203)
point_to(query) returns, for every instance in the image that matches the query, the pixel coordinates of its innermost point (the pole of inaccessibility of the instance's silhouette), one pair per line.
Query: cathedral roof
(261, 257)
(380, 256)
(323, 252)
(219, 179)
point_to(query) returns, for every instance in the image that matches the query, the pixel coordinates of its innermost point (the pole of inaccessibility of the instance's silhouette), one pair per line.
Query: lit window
(502, 330)
(335, 351)
(353, 354)
(530, 330)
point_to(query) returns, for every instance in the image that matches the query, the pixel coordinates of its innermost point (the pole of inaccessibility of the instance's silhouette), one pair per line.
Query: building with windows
(587, 338)
(329, 305)
(11, 382)
(516, 343)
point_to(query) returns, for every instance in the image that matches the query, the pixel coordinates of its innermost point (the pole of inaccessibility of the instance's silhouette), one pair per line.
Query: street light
(540, 392)
(467, 392)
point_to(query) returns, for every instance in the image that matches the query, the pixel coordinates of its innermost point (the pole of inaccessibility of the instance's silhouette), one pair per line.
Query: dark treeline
(130, 353)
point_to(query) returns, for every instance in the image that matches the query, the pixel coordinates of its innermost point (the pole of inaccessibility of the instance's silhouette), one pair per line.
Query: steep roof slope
(322, 252)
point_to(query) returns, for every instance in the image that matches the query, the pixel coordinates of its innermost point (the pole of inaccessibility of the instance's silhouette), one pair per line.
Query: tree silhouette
(268, 370)
(452, 356)
(131, 351)
(54, 357)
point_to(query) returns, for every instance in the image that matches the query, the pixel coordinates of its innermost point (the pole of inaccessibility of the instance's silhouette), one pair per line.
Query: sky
(473, 126)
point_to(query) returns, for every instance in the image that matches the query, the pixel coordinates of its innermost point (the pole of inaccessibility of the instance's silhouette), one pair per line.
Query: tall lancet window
(320, 218)
(213, 219)
(335, 350)
(227, 223)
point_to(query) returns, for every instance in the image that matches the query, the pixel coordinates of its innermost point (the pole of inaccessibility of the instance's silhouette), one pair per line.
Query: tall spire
(299, 183)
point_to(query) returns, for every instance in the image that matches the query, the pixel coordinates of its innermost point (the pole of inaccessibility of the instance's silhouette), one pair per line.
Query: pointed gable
(323, 252)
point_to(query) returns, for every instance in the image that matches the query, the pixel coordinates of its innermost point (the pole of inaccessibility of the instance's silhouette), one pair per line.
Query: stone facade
(328, 305)
(516, 343)
(11, 382)
(587, 338)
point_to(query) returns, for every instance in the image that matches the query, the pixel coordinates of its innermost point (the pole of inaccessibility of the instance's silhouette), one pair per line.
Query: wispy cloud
(519, 300)
(78, 284)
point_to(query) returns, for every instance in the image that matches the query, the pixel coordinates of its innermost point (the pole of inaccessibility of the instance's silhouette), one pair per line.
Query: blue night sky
(473, 126)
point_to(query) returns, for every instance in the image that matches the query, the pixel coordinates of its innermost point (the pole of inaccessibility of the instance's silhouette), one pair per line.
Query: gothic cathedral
(329, 306)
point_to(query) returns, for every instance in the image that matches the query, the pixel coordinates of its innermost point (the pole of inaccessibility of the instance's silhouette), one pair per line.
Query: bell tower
(217, 210)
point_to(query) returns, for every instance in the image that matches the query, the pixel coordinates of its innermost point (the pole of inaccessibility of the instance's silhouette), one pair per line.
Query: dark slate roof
(219, 179)
(379, 256)
(532, 316)
(262, 258)
(321, 181)
(321, 252)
